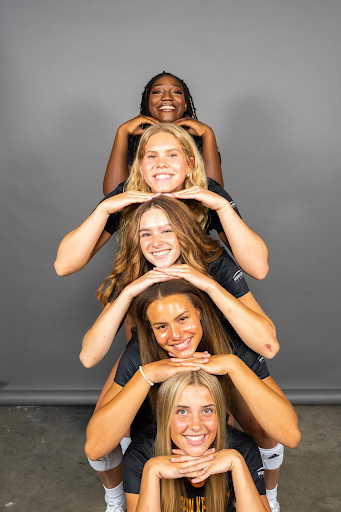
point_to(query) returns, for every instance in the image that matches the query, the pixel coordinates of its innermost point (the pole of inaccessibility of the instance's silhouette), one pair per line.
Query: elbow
(90, 451)
(271, 349)
(87, 362)
(261, 272)
(294, 438)
(60, 268)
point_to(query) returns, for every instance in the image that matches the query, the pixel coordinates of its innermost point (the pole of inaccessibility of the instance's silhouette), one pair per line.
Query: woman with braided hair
(165, 99)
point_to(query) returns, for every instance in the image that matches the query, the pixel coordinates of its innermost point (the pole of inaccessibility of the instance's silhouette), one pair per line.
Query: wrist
(208, 133)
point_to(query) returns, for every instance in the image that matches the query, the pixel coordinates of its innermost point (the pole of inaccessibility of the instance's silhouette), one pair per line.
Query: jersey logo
(261, 359)
(233, 204)
(260, 472)
(237, 276)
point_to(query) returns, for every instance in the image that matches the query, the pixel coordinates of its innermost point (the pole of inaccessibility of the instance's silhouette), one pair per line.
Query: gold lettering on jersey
(188, 504)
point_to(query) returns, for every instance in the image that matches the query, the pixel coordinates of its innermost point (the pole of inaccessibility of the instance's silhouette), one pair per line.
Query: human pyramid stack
(197, 338)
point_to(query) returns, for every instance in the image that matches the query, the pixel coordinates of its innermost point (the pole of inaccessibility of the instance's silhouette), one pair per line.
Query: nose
(166, 95)
(162, 162)
(195, 423)
(157, 240)
(176, 332)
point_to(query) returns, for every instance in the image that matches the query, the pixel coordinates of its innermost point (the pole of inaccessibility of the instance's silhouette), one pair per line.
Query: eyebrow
(155, 150)
(160, 227)
(176, 318)
(162, 85)
(202, 407)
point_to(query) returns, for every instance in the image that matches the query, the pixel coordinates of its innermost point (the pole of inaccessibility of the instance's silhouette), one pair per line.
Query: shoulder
(228, 274)
(118, 190)
(129, 362)
(248, 448)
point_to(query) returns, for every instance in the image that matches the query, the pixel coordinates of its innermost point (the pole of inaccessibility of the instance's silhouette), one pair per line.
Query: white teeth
(167, 107)
(162, 176)
(195, 438)
(161, 253)
(182, 344)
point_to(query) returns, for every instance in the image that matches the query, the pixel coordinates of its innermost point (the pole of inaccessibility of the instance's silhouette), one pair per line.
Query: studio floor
(44, 469)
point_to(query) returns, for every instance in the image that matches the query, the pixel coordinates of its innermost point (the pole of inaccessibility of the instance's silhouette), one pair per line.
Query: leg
(109, 469)
(271, 451)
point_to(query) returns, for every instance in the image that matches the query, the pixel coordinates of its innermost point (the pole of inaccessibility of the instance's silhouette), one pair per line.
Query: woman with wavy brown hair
(167, 162)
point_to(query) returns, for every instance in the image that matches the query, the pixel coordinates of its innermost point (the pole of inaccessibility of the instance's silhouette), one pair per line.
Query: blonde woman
(200, 463)
(167, 162)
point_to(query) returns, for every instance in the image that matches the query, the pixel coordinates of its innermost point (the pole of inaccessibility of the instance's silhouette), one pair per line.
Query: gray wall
(264, 74)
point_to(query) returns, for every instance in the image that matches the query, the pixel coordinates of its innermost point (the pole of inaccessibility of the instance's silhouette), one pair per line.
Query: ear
(192, 160)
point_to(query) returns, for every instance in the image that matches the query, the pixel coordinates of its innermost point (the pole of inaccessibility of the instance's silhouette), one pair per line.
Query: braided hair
(144, 107)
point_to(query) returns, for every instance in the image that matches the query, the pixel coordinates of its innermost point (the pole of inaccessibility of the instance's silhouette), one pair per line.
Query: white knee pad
(273, 457)
(110, 461)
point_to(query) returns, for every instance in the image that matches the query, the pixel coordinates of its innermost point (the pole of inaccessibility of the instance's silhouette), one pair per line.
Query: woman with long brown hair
(167, 162)
(163, 232)
(174, 318)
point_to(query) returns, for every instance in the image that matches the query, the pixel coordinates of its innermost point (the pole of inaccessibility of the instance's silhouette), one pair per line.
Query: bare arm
(271, 409)
(210, 153)
(244, 314)
(248, 248)
(99, 338)
(120, 405)
(78, 247)
(117, 168)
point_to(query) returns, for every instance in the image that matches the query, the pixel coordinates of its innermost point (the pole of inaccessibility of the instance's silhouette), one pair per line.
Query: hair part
(214, 338)
(168, 398)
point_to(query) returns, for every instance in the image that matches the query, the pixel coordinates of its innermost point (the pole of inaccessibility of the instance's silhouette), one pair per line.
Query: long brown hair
(214, 338)
(168, 398)
(197, 249)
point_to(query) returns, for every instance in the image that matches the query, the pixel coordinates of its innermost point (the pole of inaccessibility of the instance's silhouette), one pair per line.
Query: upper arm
(132, 500)
(105, 236)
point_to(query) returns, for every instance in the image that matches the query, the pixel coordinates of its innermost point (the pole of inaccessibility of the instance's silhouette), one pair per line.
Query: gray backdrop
(265, 74)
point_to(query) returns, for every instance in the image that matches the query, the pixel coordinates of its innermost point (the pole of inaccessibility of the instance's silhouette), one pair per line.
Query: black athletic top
(213, 218)
(227, 273)
(141, 449)
(131, 360)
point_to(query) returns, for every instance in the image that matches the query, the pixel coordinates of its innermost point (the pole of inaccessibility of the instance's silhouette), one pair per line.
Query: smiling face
(164, 165)
(166, 99)
(159, 243)
(176, 325)
(194, 425)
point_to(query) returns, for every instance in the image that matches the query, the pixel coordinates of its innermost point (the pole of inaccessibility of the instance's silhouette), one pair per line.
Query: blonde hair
(197, 249)
(168, 398)
(197, 175)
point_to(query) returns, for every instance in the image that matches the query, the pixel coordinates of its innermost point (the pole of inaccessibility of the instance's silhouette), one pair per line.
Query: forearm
(248, 248)
(247, 496)
(78, 247)
(255, 329)
(273, 412)
(149, 498)
(111, 420)
(210, 156)
(117, 169)
(99, 338)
